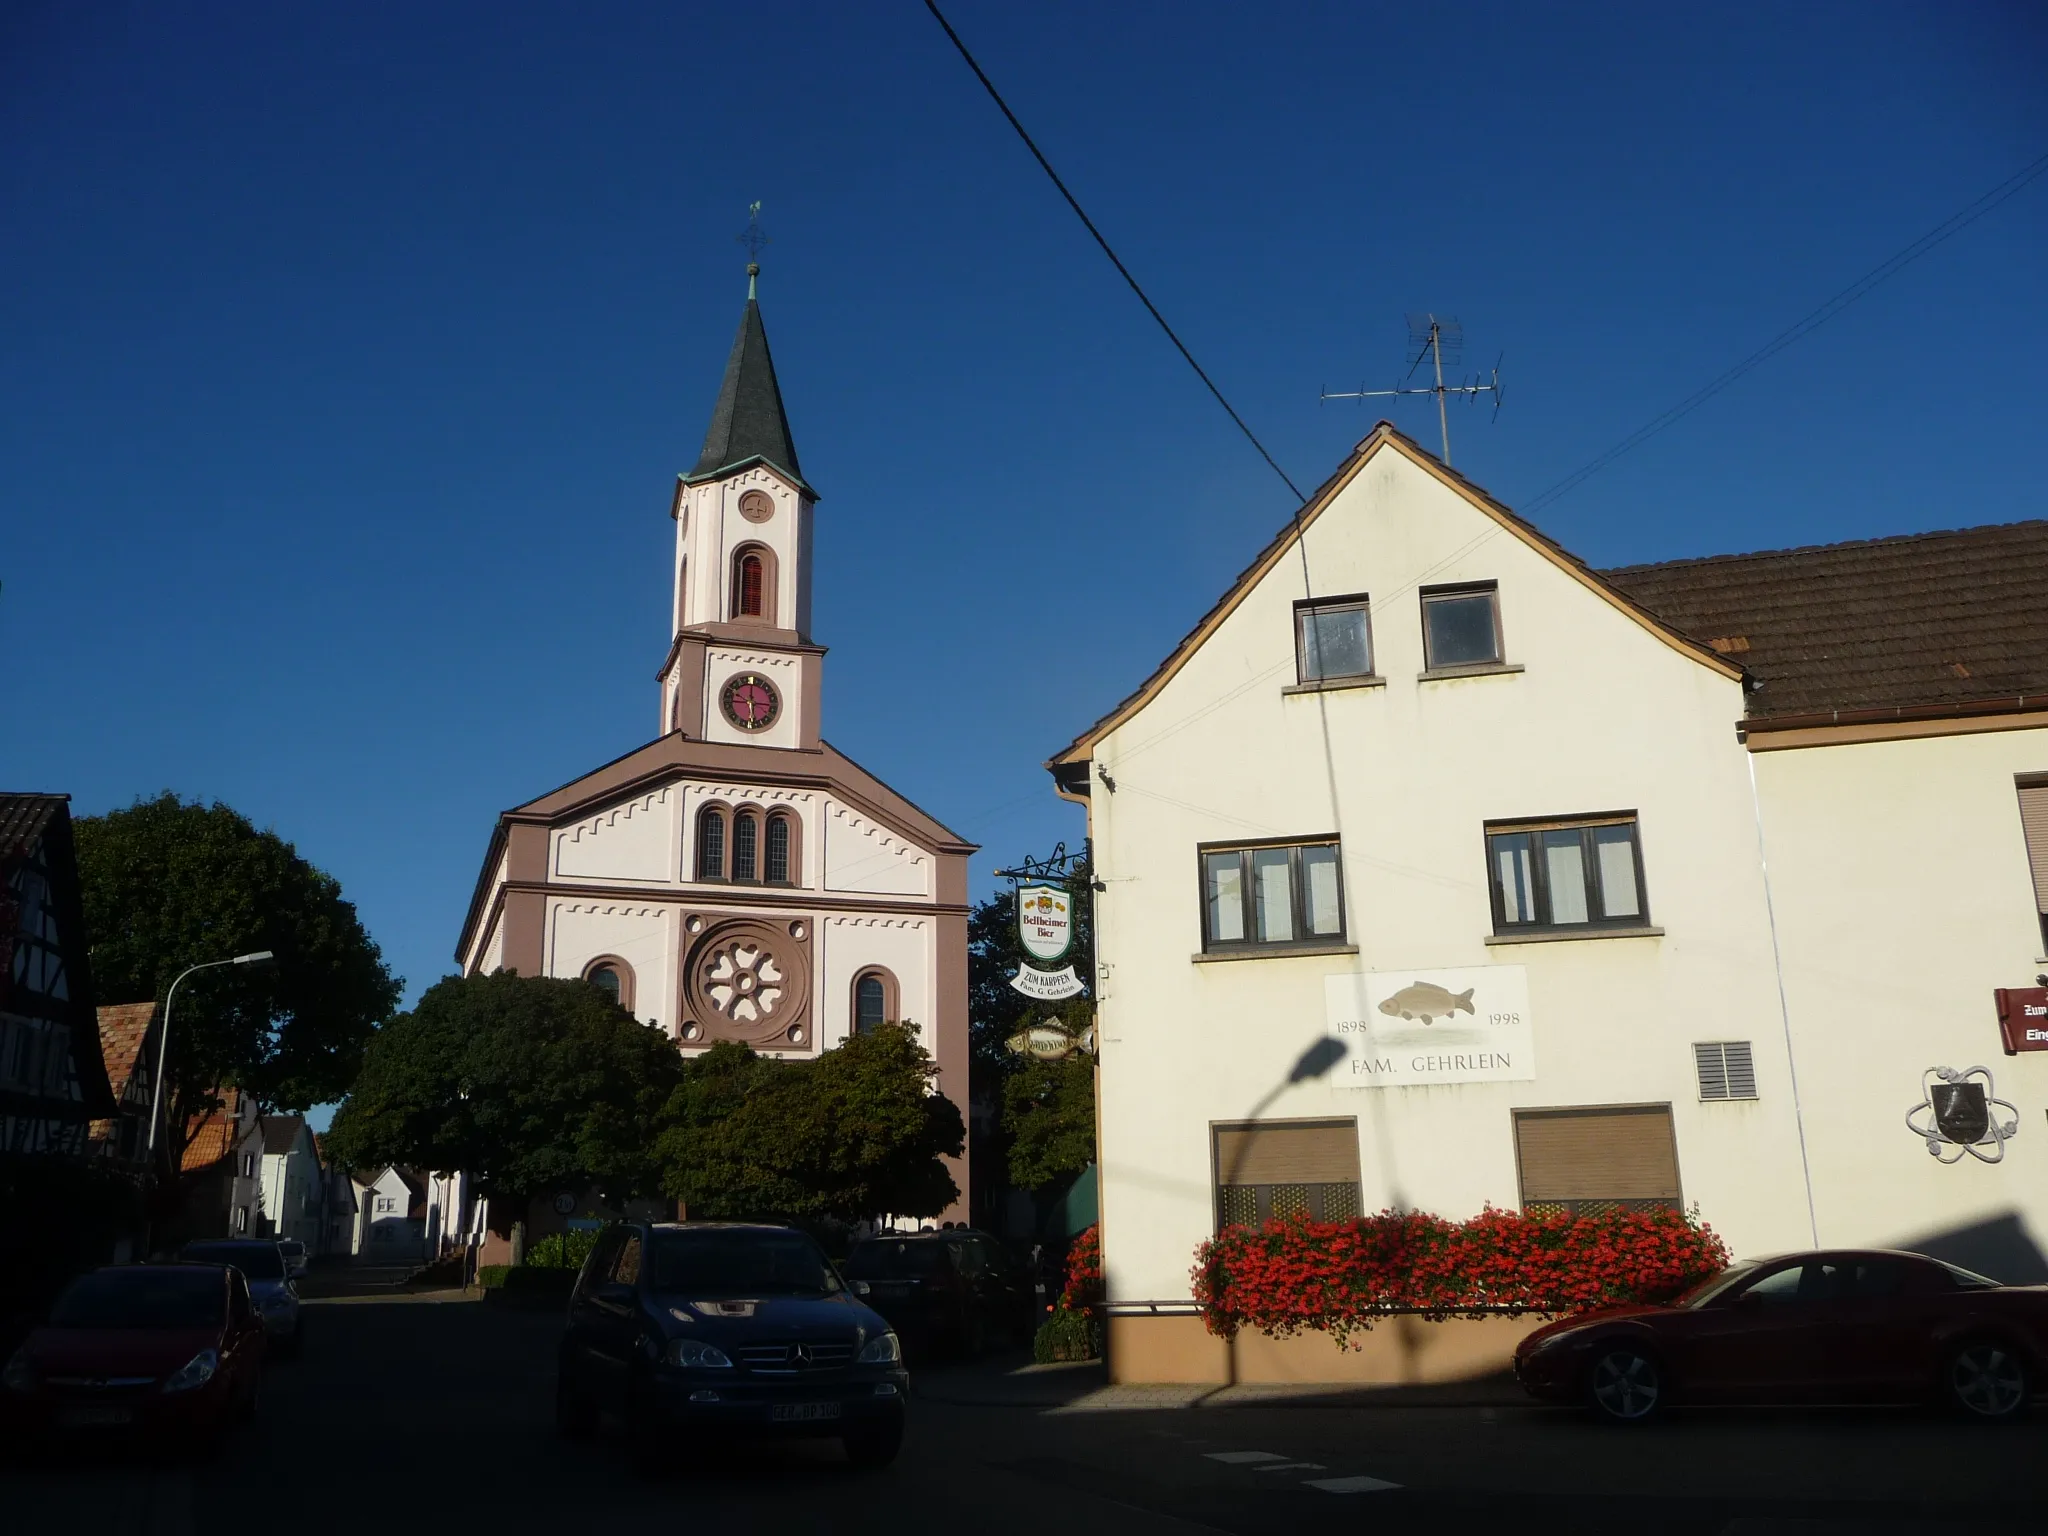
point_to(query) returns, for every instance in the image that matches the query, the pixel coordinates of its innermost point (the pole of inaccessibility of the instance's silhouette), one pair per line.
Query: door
(1763, 1343)
(585, 1351)
(1874, 1345)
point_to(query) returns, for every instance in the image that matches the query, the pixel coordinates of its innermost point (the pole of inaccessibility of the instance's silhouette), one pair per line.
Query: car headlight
(882, 1349)
(196, 1372)
(695, 1352)
(20, 1376)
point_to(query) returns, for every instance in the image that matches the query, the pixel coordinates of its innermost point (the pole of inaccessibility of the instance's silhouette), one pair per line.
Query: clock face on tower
(750, 701)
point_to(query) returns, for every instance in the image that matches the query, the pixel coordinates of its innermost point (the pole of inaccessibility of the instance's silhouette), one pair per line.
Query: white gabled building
(1439, 869)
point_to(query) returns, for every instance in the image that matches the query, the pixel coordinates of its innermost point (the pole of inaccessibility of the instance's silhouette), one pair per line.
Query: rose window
(743, 981)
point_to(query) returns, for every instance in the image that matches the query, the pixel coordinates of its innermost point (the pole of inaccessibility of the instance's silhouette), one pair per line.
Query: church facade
(737, 878)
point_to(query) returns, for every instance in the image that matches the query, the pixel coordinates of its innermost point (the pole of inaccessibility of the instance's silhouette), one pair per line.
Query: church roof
(748, 423)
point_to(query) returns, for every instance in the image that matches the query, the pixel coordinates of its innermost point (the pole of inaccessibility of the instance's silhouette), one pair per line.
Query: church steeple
(748, 423)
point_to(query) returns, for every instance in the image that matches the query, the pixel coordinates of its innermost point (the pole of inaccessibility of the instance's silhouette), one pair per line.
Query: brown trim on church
(948, 1037)
(747, 895)
(526, 914)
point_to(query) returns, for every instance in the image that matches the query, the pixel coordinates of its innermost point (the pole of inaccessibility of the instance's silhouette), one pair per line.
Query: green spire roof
(748, 422)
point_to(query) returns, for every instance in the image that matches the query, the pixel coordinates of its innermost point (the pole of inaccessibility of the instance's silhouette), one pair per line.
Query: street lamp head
(259, 957)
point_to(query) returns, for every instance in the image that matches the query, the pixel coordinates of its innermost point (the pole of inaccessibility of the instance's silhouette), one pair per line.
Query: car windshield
(143, 1298)
(256, 1261)
(886, 1260)
(713, 1266)
(1703, 1294)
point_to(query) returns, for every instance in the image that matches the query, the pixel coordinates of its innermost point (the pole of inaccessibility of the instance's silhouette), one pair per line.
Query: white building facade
(737, 878)
(1439, 871)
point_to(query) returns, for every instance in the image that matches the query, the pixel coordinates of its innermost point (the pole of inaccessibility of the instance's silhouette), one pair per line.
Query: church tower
(737, 878)
(741, 666)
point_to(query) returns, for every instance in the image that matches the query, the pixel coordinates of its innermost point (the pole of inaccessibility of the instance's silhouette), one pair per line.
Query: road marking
(1290, 1466)
(1242, 1458)
(1350, 1484)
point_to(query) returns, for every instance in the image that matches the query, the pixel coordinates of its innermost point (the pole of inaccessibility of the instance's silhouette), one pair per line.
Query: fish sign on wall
(1401, 1028)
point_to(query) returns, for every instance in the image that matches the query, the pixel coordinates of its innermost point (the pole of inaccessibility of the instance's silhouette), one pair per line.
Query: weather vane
(753, 237)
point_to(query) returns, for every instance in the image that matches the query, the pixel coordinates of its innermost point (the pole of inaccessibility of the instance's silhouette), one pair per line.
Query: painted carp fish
(1427, 1001)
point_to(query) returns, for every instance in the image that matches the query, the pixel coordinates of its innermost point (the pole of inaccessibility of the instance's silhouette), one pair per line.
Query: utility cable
(1080, 213)
(1954, 224)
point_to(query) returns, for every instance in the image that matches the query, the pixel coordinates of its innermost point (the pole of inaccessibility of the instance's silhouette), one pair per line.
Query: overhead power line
(1116, 261)
(1890, 267)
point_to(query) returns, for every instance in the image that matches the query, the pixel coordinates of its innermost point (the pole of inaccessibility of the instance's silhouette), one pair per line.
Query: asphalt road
(416, 1413)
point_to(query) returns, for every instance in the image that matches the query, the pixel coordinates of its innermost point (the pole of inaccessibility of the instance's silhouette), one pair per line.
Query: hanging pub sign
(1049, 986)
(1045, 921)
(2023, 1018)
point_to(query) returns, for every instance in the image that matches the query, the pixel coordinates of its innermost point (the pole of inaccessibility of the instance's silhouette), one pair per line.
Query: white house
(1438, 870)
(293, 1188)
(737, 877)
(392, 1217)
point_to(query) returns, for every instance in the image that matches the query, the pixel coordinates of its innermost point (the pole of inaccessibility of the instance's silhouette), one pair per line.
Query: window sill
(1475, 669)
(1335, 684)
(1273, 952)
(1566, 935)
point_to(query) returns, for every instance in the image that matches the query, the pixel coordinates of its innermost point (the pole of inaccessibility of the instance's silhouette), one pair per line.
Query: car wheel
(1985, 1380)
(873, 1445)
(575, 1414)
(1625, 1386)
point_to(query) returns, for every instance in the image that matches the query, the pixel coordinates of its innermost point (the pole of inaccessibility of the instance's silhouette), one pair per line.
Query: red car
(162, 1352)
(1867, 1326)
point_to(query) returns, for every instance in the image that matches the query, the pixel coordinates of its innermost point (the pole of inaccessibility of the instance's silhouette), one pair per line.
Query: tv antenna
(1436, 339)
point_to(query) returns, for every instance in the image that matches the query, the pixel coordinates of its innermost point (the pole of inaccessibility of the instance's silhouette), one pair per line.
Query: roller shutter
(2034, 819)
(1286, 1168)
(1583, 1160)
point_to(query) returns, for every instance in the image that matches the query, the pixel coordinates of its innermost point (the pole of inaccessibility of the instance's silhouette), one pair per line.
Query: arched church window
(746, 837)
(710, 844)
(613, 977)
(873, 1000)
(777, 872)
(751, 586)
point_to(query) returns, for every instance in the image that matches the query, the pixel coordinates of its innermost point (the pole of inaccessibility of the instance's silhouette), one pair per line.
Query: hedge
(1337, 1277)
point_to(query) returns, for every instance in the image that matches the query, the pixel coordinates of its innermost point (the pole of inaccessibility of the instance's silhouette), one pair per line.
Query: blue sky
(350, 353)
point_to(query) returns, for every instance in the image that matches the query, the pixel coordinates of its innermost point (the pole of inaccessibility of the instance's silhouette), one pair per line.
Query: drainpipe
(1784, 1008)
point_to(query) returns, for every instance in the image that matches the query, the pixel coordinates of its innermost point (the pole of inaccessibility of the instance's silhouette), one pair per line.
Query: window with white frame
(1268, 895)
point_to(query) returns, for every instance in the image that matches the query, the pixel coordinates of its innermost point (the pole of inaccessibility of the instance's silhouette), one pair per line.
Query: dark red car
(1865, 1326)
(162, 1352)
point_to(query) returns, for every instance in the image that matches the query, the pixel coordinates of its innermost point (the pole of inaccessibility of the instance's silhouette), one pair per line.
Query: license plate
(802, 1413)
(93, 1418)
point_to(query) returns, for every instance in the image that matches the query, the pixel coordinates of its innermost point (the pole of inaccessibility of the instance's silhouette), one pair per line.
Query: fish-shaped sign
(1427, 1001)
(1043, 1042)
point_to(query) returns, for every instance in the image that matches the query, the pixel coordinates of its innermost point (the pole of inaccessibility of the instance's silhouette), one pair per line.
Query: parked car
(262, 1264)
(953, 1289)
(1847, 1326)
(167, 1352)
(294, 1253)
(686, 1331)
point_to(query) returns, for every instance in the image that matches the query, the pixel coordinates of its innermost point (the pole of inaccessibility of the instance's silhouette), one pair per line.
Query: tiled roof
(1923, 620)
(23, 818)
(216, 1133)
(281, 1133)
(123, 1029)
(748, 421)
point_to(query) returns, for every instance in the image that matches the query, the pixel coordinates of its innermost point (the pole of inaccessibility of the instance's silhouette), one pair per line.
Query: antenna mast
(1432, 336)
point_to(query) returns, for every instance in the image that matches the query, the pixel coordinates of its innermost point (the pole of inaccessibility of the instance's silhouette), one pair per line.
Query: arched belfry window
(750, 583)
(746, 846)
(776, 870)
(874, 999)
(711, 844)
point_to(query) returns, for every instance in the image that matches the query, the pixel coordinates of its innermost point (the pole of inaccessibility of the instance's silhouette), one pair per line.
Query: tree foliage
(1046, 1110)
(531, 1083)
(170, 883)
(856, 1133)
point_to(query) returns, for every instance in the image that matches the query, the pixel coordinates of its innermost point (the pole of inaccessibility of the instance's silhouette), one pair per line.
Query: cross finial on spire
(753, 237)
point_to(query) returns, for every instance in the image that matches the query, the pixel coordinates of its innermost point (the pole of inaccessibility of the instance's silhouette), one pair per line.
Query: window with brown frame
(1269, 1168)
(874, 999)
(1584, 872)
(746, 846)
(749, 586)
(777, 863)
(1461, 626)
(1271, 895)
(1332, 639)
(710, 844)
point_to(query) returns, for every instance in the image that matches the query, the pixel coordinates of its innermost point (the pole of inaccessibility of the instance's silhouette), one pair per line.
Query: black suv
(688, 1330)
(955, 1288)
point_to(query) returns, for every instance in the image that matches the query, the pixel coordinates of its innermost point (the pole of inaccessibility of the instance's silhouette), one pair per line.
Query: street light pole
(163, 1039)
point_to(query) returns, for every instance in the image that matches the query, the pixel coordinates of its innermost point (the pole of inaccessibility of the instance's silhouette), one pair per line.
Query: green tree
(528, 1082)
(1044, 1111)
(170, 883)
(856, 1133)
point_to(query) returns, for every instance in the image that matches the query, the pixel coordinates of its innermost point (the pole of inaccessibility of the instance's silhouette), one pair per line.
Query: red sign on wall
(2023, 1018)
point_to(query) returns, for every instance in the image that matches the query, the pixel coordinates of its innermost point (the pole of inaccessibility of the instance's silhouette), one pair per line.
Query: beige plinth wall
(1396, 1352)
